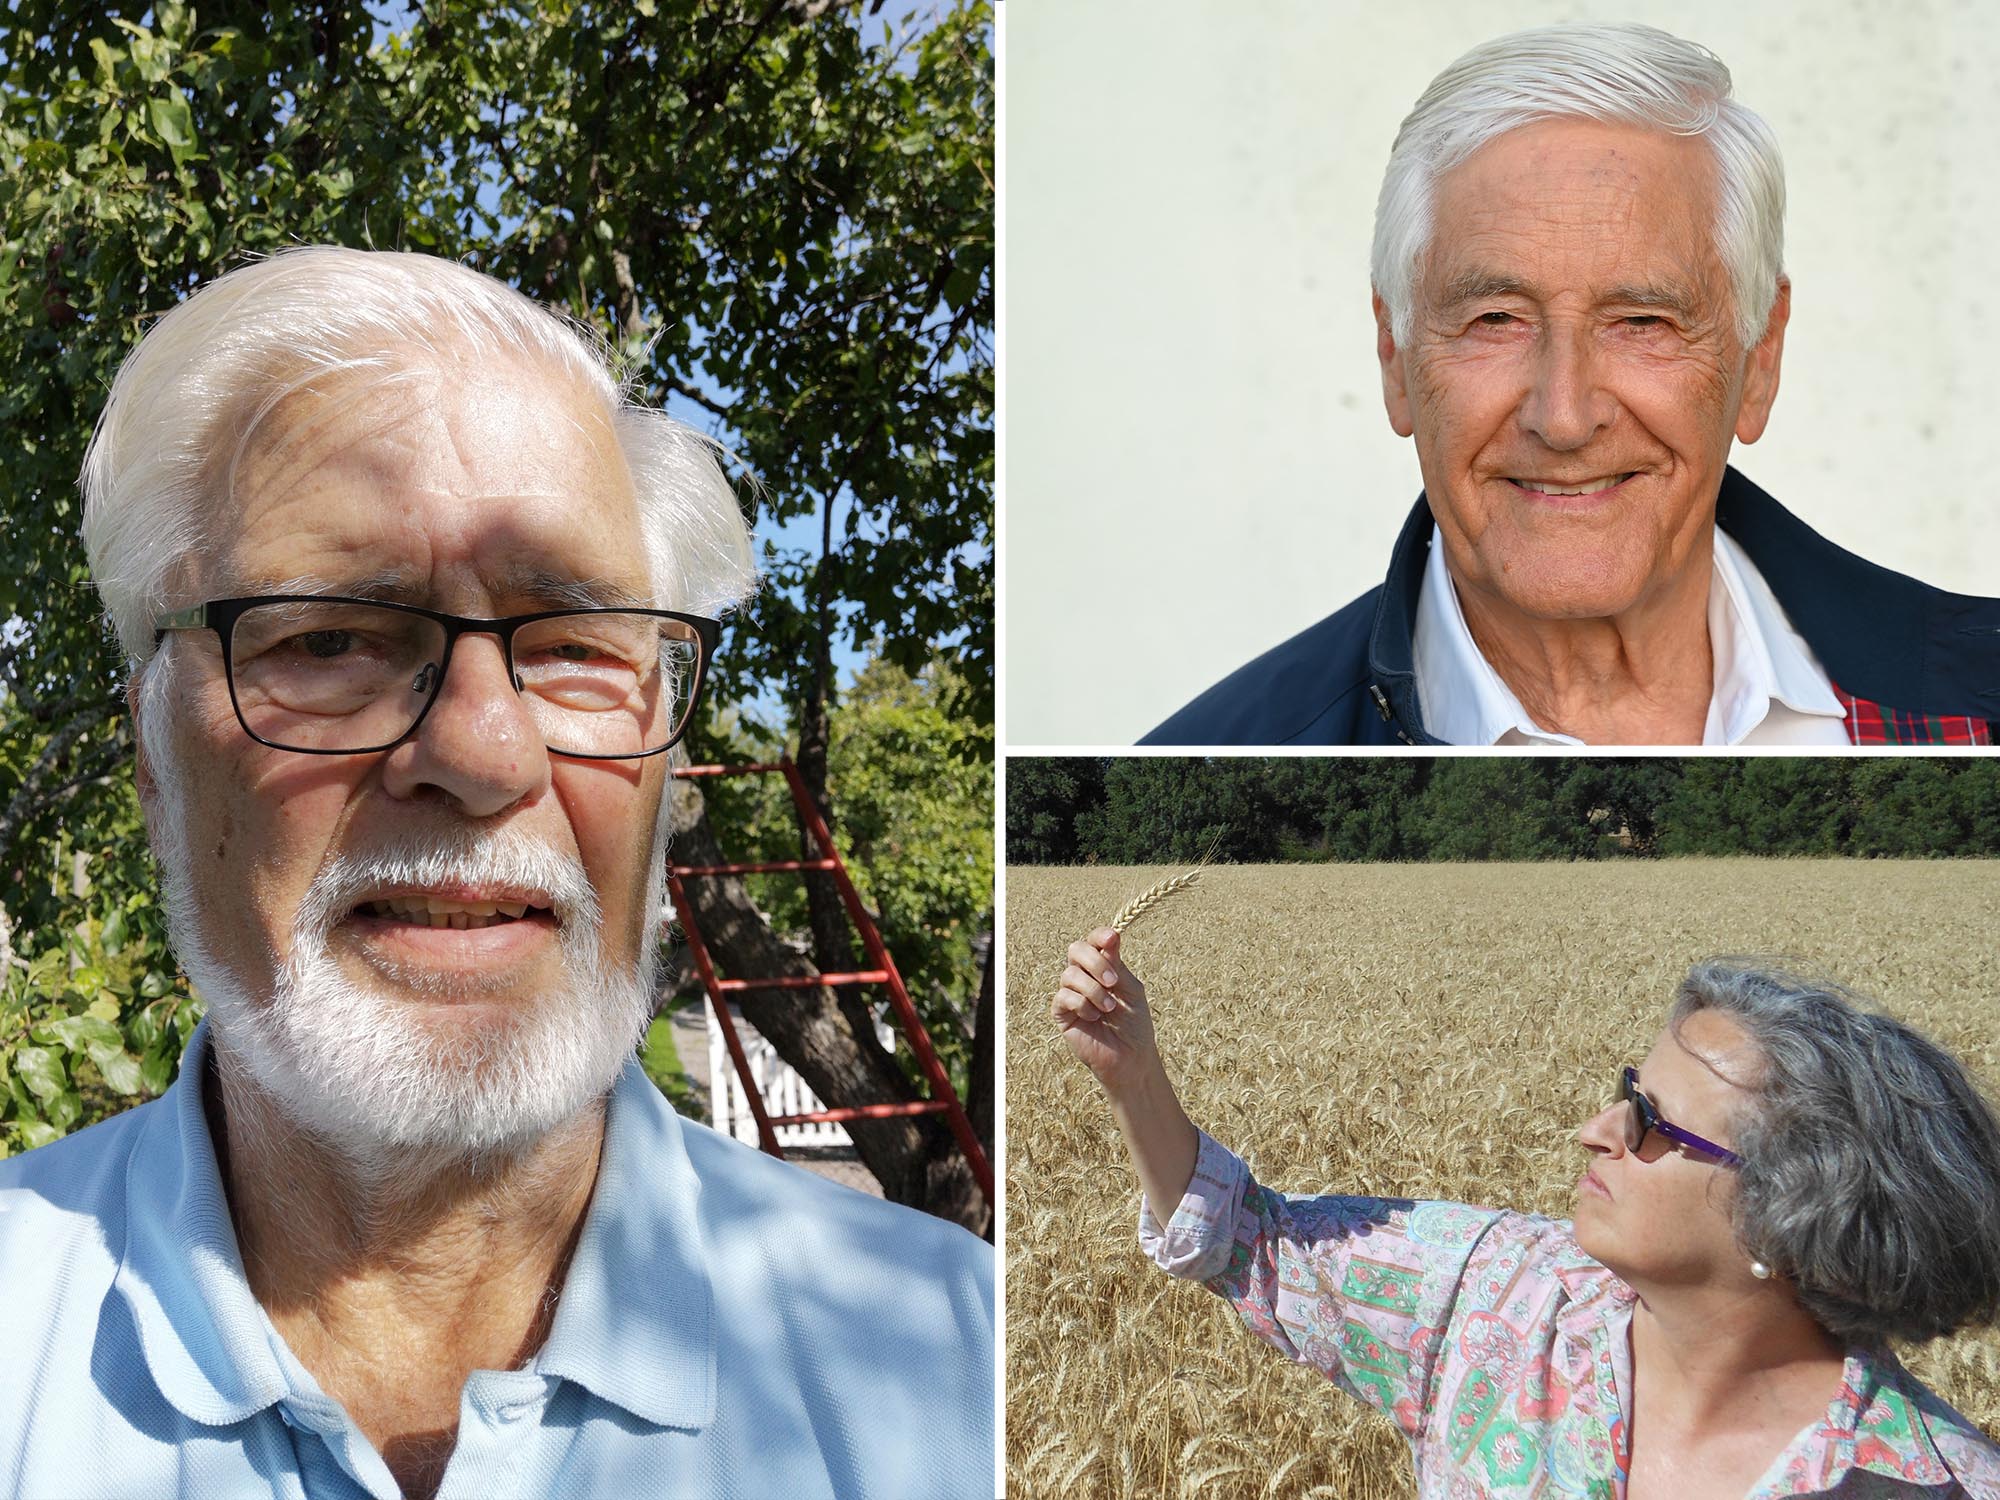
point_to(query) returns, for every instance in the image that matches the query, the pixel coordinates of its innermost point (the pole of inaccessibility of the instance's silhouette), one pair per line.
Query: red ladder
(943, 1100)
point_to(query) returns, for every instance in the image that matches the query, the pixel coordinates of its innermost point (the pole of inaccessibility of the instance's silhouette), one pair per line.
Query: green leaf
(65, 1109)
(45, 156)
(37, 1133)
(121, 1071)
(42, 1070)
(172, 122)
(108, 57)
(79, 1033)
(156, 1069)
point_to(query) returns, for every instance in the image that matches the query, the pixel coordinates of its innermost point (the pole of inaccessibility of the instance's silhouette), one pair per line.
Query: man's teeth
(1582, 489)
(433, 911)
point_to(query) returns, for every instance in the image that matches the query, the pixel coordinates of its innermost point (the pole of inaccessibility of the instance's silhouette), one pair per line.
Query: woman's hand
(1101, 1011)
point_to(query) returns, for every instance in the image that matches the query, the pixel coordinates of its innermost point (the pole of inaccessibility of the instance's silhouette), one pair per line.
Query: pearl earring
(1761, 1271)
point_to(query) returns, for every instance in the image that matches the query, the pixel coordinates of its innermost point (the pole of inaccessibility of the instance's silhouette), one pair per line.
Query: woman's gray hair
(1624, 73)
(189, 395)
(1871, 1171)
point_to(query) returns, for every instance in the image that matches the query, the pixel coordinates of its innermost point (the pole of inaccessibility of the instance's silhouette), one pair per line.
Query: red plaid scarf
(1877, 724)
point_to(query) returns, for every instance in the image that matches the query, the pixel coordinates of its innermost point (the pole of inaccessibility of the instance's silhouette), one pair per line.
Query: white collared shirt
(1769, 687)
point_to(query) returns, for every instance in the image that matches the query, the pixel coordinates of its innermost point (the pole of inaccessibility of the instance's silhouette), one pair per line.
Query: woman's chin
(1590, 1238)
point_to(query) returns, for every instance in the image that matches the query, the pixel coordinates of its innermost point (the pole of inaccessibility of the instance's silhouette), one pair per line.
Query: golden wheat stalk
(1151, 897)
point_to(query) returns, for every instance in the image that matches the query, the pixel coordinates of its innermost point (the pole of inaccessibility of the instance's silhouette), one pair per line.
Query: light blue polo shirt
(730, 1326)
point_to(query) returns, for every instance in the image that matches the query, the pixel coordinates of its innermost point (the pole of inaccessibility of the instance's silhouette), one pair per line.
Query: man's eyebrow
(1671, 299)
(545, 588)
(558, 591)
(1476, 285)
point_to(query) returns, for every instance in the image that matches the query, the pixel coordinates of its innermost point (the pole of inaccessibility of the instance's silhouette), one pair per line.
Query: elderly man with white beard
(416, 599)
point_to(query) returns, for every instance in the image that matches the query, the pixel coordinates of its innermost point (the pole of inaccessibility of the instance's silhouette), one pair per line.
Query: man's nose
(1566, 404)
(479, 744)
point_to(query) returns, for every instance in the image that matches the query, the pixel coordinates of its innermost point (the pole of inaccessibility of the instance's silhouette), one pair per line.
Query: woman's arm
(1358, 1288)
(1101, 1009)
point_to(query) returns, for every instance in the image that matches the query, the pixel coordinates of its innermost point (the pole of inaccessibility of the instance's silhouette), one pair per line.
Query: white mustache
(451, 856)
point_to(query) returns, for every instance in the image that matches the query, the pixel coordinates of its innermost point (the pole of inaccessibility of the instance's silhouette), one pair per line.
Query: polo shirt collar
(203, 1335)
(635, 1324)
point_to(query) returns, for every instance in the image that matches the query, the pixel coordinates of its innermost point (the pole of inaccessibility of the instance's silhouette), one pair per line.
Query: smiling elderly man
(1580, 303)
(416, 599)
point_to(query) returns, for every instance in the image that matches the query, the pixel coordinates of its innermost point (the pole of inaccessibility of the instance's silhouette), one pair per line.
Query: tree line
(1129, 810)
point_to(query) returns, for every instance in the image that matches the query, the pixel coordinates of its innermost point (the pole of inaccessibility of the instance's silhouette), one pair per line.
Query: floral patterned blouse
(1499, 1348)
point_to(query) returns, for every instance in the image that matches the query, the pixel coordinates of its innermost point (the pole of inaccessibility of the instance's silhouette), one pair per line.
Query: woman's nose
(1605, 1130)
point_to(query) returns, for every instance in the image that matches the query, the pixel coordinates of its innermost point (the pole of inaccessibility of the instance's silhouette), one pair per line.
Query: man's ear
(1395, 387)
(1760, 375)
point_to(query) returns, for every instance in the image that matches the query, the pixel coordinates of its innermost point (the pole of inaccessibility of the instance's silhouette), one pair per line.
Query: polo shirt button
(512, 1413)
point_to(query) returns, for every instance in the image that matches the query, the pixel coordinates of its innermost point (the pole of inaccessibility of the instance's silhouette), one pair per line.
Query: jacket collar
(1880, 635)
(1392, 675)
(635, 1324)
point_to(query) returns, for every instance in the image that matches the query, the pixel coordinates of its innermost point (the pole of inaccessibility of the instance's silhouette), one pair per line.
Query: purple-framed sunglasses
(1642, 1117)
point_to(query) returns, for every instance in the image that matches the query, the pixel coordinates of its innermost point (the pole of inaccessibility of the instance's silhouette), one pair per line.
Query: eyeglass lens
(334, 676)
(1638, 1116)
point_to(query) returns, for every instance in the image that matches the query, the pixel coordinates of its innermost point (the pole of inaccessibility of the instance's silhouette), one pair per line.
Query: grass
(662, 1062)
(1434, 1030)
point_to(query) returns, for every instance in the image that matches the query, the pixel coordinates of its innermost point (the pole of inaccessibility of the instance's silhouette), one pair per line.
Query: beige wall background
(1197, 464)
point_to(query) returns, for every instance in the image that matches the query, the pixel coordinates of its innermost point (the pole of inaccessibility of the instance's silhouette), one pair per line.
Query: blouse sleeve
(1361, 1289)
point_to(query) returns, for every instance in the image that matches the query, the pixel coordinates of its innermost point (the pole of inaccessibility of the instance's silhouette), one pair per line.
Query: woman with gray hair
(1784, 1186)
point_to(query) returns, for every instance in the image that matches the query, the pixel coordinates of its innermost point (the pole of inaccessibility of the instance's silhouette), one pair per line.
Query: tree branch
(682, 388)
(35, 793)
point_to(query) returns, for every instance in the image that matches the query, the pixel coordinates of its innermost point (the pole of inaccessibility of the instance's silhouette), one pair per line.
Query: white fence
(782, 1090)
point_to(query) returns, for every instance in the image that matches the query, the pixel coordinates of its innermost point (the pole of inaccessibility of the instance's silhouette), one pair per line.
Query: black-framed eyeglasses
(1641, 1116)
(325, 675)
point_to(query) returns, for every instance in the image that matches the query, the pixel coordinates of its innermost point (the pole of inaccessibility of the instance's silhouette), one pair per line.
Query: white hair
(155, 477)
(1623, 73)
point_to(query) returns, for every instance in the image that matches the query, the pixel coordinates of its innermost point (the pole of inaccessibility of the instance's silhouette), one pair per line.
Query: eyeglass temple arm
(1689, 1138)
(193, 617)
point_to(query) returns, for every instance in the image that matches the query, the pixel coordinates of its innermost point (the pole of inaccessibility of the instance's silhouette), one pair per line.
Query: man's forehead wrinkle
(414, 431)
(544, 587)
(1498, 249)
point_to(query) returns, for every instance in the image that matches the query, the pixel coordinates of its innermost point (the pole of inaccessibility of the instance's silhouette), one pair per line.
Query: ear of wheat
(1151, 897)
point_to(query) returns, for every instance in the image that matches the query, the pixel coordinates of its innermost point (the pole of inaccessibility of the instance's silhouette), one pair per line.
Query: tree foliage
(1173, 809)
(779, 214)
(917, 826)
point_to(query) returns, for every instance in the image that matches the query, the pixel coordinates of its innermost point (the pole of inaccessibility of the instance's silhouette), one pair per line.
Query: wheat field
(1435, 1031)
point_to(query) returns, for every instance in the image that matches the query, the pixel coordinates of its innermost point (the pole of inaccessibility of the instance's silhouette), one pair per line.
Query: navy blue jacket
(1880, 636)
